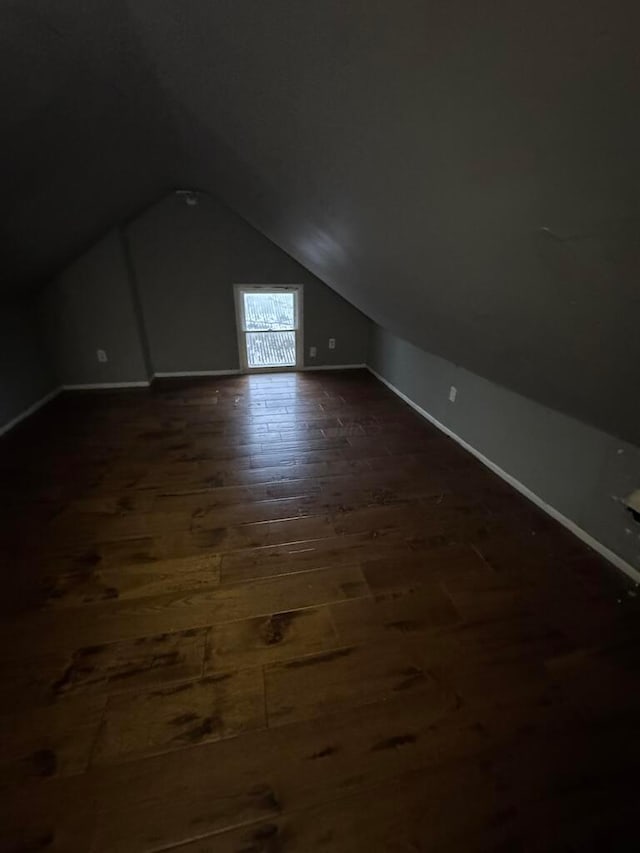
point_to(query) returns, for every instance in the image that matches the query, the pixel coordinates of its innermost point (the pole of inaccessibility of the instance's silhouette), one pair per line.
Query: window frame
(298, 291)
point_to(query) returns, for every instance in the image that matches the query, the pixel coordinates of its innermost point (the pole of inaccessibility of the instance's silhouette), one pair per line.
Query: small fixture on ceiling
(190, 197)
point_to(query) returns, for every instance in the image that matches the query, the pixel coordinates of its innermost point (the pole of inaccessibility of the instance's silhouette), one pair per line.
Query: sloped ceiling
(466, 173)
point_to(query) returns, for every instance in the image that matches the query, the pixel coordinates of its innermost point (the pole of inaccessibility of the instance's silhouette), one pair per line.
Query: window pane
(271, 349)
(268, 311)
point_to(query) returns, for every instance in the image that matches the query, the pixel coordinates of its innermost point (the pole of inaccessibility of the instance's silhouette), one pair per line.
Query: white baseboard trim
(30, 411)
(187, 373)
(597, 546)
(97, 386)
(333, 367)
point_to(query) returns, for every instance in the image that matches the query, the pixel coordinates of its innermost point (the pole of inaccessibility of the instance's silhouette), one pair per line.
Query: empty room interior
(319, 426)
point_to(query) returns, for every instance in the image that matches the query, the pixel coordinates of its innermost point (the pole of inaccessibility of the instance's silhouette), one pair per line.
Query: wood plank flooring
(283, 613)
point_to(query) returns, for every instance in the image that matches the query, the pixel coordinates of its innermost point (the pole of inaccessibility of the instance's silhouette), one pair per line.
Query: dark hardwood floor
(283, 613)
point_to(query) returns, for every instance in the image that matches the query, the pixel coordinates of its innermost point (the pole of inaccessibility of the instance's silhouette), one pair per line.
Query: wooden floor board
(284, 613)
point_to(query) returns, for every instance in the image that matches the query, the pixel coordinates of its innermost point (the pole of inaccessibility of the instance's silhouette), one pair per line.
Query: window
(269, 321)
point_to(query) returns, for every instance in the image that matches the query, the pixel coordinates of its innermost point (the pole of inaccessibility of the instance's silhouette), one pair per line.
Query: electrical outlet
(453, 393)
(312, 352)
(102, 356)
(332, 343)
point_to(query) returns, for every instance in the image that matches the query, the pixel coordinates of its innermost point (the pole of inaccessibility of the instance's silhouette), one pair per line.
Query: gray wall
(580, 471)
(466, 173)
(187, 259)
(157, 296)
(25, 374)
(90, 306)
